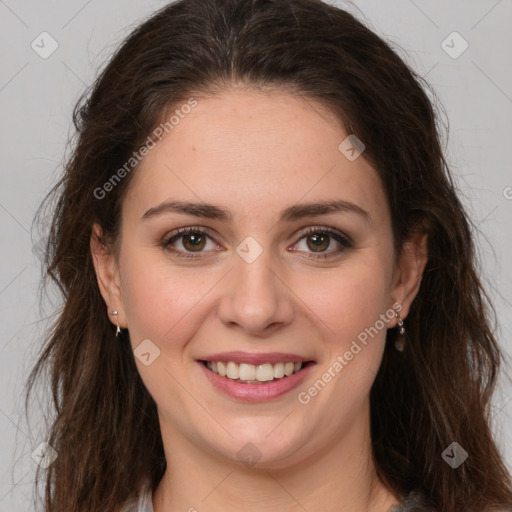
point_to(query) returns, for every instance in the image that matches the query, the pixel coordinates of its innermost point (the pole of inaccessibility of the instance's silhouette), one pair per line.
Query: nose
(256, 299)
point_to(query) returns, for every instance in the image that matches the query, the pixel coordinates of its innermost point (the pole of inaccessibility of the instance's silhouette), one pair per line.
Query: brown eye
(190, 242)
(316, 243)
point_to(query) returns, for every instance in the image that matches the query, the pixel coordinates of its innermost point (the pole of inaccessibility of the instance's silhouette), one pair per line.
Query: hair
(438, 390)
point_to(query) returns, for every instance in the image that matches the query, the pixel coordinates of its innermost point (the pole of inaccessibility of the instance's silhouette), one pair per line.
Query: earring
(400, 341)
(118, 330)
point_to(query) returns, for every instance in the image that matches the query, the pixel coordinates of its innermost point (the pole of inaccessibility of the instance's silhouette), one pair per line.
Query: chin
(260, 448)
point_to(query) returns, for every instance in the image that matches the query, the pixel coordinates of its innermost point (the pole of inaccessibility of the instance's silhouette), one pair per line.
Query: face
(231, 259)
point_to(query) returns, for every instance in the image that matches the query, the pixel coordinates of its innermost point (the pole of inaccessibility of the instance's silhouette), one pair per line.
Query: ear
(409, 270)
(107, 275)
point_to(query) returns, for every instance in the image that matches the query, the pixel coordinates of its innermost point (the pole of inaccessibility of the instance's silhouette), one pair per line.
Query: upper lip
(255, 358)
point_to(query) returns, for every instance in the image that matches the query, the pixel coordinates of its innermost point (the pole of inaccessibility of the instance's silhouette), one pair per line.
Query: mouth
(259, 374)
(255, 377)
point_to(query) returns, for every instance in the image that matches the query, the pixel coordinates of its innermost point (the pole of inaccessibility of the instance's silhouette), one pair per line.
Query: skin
(255, 154)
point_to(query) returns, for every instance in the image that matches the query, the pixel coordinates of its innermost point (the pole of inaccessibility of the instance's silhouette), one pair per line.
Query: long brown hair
(437, 391)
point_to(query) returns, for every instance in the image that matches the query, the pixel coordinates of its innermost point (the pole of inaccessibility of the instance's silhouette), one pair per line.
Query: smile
(251, 379)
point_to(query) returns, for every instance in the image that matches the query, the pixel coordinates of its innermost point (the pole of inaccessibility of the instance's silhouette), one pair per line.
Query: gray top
(143, 503)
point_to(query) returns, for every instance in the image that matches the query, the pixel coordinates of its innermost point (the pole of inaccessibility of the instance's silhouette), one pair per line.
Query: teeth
(279, 370)
(247, 372)
(265, 372)
(232, 371)
(221, 369)
(253, 373)
(288, 368)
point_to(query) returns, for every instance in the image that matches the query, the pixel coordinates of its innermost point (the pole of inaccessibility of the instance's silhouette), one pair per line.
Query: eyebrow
(290, 214)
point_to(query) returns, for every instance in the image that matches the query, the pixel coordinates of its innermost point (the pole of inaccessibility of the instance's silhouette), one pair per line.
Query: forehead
(254, 153)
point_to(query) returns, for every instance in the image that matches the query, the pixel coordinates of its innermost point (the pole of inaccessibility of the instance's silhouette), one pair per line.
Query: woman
(270, 295)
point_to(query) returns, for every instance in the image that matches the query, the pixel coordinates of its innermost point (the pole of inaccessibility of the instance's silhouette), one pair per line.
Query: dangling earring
(400, 341)
(118, 330)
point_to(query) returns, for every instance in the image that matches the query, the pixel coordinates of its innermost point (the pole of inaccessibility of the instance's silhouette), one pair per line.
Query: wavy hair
(105, 424)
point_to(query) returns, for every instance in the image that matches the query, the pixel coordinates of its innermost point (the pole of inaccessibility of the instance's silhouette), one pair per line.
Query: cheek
(350, 298)
(349, 304)
(159, 302)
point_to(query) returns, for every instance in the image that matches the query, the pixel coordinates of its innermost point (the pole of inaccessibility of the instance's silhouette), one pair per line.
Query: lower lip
(256, 392)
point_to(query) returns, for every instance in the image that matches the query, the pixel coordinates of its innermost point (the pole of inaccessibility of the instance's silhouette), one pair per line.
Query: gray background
(37, 96)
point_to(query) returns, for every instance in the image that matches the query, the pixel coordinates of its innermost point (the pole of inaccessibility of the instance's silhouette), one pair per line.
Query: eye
(191, 239)
(319, 240)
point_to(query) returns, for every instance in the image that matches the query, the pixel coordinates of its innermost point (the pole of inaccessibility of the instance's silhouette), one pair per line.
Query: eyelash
(341, 238)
